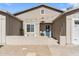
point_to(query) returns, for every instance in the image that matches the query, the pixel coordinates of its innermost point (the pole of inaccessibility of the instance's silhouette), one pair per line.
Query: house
(41, 24)
(9, 25)
(68, 27)
(38, 21)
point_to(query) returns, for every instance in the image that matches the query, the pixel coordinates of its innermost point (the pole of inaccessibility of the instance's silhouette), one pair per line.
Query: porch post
(37, 29)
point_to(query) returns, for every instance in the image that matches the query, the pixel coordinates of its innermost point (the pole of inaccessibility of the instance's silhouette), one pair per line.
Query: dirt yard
(39, 50)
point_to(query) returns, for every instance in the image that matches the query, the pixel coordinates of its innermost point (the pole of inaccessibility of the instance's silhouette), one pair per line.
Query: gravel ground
(39, 50)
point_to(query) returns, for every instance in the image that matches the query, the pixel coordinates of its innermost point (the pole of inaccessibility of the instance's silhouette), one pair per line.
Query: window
(42, 11)
(77, 22)
(47, 27)
(30, 28)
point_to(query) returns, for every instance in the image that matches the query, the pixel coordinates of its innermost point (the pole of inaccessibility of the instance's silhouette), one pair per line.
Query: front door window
(48, 30)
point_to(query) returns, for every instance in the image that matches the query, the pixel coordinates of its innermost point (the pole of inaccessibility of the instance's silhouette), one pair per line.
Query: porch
(42, 29)
(46, 30)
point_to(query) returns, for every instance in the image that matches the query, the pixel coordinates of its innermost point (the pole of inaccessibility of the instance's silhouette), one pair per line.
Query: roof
(6, 12)
(39, 7)
(69, 12)
(72, 11)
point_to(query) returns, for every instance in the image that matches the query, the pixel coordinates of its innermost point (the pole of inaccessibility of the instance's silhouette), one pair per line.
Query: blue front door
(48, 31)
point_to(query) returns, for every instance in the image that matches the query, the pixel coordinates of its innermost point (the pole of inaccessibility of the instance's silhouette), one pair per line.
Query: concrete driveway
(58, 50)
(39, 50)
(25, 50)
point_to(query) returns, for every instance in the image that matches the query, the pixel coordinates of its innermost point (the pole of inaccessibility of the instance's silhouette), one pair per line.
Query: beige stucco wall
(59, 28)
(35, 17)
(13, 26)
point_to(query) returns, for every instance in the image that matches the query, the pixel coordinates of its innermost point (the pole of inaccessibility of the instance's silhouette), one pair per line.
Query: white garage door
(2, 29)
(75, 31)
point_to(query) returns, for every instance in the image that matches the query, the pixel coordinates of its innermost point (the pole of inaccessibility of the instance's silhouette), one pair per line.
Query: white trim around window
(30, 27)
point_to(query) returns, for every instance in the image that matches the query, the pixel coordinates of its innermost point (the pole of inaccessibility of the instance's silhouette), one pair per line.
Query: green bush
(21, 31)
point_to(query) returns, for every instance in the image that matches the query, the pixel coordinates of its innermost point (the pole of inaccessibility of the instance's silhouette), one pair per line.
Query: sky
(16, 7)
